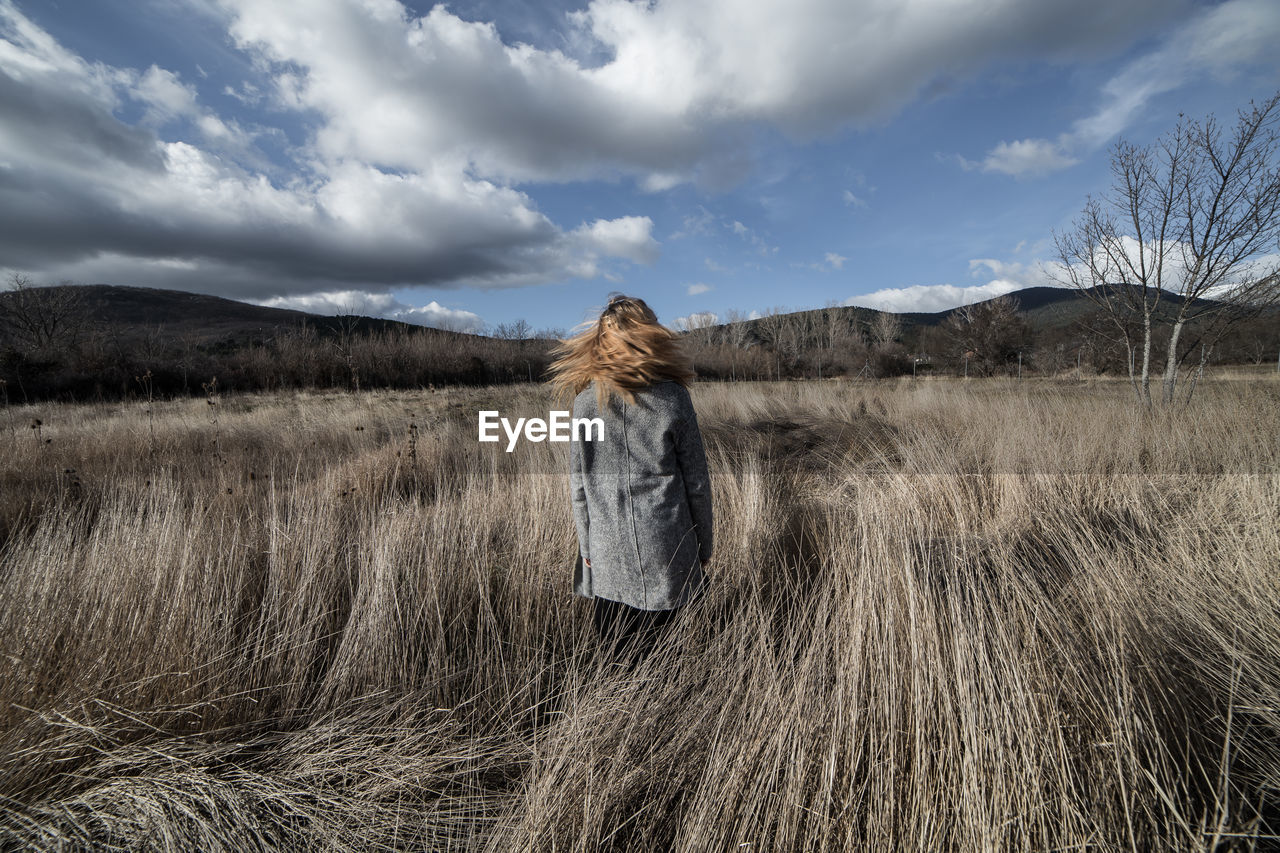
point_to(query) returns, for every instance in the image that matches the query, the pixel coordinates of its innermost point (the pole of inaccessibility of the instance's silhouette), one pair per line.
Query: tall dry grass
(944, 616)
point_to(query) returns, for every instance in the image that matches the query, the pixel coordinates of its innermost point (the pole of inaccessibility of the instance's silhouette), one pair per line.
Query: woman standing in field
(641, 495)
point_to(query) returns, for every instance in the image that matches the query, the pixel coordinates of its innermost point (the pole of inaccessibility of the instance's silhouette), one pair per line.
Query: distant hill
(213, 318)
(109, 341)
(1042, 305)
(124, 341)
(1045, 309)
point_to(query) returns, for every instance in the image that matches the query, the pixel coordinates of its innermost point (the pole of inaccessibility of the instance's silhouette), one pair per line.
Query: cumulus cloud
(699, 288)
(89, 197)
(1002, 277)
(1027, 158)
(167, 97)
(929, 297)
(422, 132)
(368, 304)
(1032, 274)
(628, 237)
(660, 90)
(1219, 40)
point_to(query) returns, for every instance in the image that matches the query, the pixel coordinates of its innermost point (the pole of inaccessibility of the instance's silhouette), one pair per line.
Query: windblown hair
(624, 350)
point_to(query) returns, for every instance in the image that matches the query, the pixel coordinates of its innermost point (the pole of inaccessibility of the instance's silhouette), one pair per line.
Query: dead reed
(944, 616)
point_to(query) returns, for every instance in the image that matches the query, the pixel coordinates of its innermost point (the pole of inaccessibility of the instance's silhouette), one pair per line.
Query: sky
(488, 161)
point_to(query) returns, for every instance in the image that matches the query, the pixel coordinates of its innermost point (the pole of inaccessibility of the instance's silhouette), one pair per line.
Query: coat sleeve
(697, 482)
(578, 492)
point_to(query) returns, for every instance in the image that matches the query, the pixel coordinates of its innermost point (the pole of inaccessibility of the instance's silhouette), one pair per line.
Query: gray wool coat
(641, 499)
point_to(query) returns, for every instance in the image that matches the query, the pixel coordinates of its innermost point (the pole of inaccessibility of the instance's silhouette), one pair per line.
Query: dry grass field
(944, 616)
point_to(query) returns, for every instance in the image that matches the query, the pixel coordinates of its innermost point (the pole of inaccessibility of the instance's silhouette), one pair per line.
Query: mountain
(1041, 305)
(210, 319)
(1046, 309)
(108, 341)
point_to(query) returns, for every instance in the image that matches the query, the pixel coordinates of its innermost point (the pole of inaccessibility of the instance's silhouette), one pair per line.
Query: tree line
(53, 347)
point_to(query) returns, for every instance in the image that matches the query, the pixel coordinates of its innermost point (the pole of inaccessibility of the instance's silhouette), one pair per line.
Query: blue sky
(487, 161)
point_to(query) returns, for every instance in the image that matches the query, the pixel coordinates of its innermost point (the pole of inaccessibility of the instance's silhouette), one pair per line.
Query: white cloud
(1027, 158)
(776, 60)
(1033, 274)
(368, 304)
(660, 90)
(835, 261)
(628, 237)
(436, 315)
(419, 130)
(166, 96)
(853, 200)
(1006, 277)
(107, 201)
(335, 302)
(930, 297)
(1220, 40)
(699, 288)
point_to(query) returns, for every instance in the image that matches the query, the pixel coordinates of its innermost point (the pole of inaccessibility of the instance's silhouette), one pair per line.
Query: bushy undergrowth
(944, 616)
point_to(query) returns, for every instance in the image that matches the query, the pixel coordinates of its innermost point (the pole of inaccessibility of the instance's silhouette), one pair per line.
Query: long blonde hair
(624, 350)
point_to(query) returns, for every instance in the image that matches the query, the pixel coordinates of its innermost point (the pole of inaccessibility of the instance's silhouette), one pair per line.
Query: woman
(641, 494)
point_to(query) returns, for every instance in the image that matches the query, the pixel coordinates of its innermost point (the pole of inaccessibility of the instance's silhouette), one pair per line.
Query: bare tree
(794, 332)
(37, 318)
(736, 327)
(348, 325)
(517, 330)
(700, 321)
(188, 348)
(771, 323)
(834, 328)
(1184, 239)
(989, 334)
(886, 328)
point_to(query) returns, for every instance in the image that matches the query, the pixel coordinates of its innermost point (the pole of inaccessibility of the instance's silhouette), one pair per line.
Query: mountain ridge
(182, 310)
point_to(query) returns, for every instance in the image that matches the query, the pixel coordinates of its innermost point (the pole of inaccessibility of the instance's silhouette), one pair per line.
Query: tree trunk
(1204, 357)
(1133, 377)
(1171, 361)
(1146, 356)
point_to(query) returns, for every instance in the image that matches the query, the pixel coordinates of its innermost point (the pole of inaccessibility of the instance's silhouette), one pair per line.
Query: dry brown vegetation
(944, 616)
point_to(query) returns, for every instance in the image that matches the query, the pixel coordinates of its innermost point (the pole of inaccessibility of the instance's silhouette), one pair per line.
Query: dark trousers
(628, 632)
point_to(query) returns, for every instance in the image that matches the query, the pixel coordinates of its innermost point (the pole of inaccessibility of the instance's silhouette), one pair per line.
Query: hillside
(1043, 307)
(106, 341)
(209, 319)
